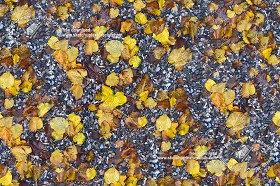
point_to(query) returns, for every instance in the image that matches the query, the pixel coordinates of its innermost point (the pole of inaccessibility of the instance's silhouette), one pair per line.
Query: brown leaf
(144, 84)
(157, 26)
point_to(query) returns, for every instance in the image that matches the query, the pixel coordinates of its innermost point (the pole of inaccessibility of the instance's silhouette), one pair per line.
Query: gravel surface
(209, 122)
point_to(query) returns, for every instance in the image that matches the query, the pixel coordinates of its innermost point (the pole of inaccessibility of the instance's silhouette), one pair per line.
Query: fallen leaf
(163, 123)
(7, 80)
(248, 89)
(216, 167)
(179, 57)
(111, 175)
(59, 125)
(91, 47)
(114, 48)
(276, 118)
(237, 120)
(36, 123)
(112, 79)
(21, 152)
(43, 108)
(79, 138)
(22, 14)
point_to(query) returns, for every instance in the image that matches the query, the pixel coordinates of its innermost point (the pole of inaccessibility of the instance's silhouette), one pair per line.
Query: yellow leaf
(35, 124)
(21, 152)
(6, 80)
(114, 12)
(125, 26)
(193, 168)
(92, 107)
(61, 57)
(218, 88)
(141, 18)
(43, 108)
(75, 119)
(119, 2)
(76, 76)
(16, 131)
(112, 79)
(139, 5)
(61, 45)
(131, 42)
(276, 118)
(237, 120)
(200, 151)
(179, 57)
(144, 95)
(273, 60)
(172, 101)
(135, 61)
(112, 175)
(6, 122)
(79, 138)
(8, 103)
(188, 3)
(56, 158)
(150, 103)
(26, 86)
(52, 41)
(248, 89)
(229, 96)
(270, 172)
(163, 37)
(216, 167)
(99, 31)
(161, 4)
(259, 18)
(142, 121)
(62, 12)
(165, 146)
(16, 59)
(219, 55)
(115, 48)
(208, 84)
(231, 163)
(72, 54)
(243, 25)
(7, 179)
(77, 91)
(91, 173)
(183, 129)
(59, 125)
(177, 161)
(266, 53)
(230, 13)
(163, 123)
(90, 47)
(22, 14)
